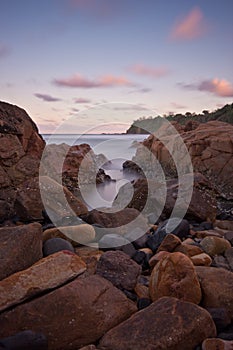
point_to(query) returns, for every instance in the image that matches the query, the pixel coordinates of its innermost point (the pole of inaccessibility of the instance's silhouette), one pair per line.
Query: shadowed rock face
(210, 146)
(21, 148)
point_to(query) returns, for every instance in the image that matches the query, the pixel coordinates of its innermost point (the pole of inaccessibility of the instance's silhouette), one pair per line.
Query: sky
(65, 58)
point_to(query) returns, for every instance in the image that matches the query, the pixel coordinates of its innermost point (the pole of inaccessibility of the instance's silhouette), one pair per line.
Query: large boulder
(46, 274)
(21, 149)
(168, 323)
(210, 146)
(216, 285)
(20, 247)
(77, 314)
(175, 276)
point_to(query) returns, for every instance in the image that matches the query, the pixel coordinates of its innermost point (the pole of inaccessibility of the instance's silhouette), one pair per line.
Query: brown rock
(89, 347)
(20, 153)
(72, 316)
(202, 259)
(217, 344)
(217, 286)
(142, 291)
(229, 236)
(168, 323)
(118, 268)
(214, 245)
(224, 224)
(20, 247)
(175, 276)
(157, 257)
(90, 256)
(188, 249)
(79, 234)
(169, 243)
(229, 257)
(46, 274)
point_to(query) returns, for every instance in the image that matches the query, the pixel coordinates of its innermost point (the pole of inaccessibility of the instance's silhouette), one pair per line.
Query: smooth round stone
(215, 245)
(80, 234)
(54, 245)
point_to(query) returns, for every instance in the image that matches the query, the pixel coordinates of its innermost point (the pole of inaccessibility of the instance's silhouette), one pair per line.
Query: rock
(210, 149)
(181, 231)
(208, 233)
(217, 344)
(221, 318)
(120, 222)
(85, 308)
(221, 262)
(74, 234)
(202, 259)
(224, 224)
(229, 257)
(169, 243)
(119, 269)
(175, 276)
(214, 245)
(216, 286)
(46, 274)
(227, 334)
(229, 237)
(89, 347)
(157, 257)
(142, 291)
(113, 241)
(20, 153)
(90, 256)
(55, 245)
(20, 247)
(189, 249)
(168, 323)
(26, 340)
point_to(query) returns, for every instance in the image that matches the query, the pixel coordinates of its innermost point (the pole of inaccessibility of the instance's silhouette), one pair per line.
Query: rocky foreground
(168, 289)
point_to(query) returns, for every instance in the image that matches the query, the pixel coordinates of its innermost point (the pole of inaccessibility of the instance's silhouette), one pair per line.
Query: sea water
(117, 148)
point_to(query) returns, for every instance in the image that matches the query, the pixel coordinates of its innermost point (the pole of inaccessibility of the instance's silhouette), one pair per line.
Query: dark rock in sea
(54, 245)
(142, 303)
(118, 268)
(20, 247)
(182, 230)
(26, 340)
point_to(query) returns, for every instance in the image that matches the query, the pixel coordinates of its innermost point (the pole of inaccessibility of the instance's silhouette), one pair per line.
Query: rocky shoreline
(166, 289)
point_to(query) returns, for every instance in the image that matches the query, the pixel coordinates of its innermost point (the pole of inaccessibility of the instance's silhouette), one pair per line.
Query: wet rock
(168, 323)
(175, 276)
(169, 243)
(20, 247)
(216, 286)
(90, 256)
(26, 340)
(77, 314)
(119, 269)
(46, 274)
(157, 257)
(54, 245)
(214, 245)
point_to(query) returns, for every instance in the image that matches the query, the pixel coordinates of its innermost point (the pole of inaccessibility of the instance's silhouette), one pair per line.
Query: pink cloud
(82, 100)
(47, 98)
(218, 87)
(190, 27)
(154, 72)
(78, 81)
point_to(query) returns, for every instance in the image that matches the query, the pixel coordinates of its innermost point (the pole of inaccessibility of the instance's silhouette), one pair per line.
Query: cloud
(78, 81)
(218, 87)
(153, 72)
(82, 100)
(4, 50)
(190, 27)
(47, 98)
(132, 107)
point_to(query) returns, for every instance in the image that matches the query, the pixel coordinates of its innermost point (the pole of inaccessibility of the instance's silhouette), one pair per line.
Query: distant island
(141, 125)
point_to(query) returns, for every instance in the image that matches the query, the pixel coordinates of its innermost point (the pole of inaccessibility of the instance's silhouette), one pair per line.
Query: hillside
(224, 114)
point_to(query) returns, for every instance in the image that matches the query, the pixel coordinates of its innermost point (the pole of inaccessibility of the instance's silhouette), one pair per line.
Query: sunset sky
(58, 57)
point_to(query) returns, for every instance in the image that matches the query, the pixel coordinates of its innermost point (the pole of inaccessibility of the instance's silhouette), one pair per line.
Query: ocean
(117, 148)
